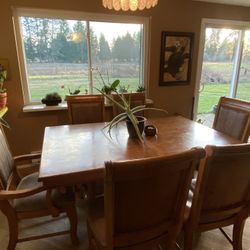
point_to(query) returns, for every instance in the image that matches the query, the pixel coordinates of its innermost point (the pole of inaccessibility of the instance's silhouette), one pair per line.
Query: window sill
(43, 107)
(61, 106)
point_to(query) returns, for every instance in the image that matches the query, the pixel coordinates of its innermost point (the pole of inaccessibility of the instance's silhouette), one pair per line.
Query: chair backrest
(233, 118)
(6, 161)
(85, 108)
(136, 99)
(145, 198)
(223, 184)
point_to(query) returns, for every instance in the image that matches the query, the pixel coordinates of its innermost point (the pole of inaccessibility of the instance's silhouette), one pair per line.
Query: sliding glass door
(224, 67)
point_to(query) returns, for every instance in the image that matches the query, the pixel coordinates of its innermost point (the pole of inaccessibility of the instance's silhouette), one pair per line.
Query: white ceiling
(232, 2)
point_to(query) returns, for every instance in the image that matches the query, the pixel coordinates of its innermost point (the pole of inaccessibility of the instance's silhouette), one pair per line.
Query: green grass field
(41, 85)
(208, 97)
(212, 92)
(46, 78)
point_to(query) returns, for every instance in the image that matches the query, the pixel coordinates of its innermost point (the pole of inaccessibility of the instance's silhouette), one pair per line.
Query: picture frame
(176, 58)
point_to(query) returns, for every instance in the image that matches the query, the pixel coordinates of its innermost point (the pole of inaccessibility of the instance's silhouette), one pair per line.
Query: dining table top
(76, 153)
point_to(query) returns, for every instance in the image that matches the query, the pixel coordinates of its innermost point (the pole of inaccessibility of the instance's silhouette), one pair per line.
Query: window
(63, 51)
(224, 65)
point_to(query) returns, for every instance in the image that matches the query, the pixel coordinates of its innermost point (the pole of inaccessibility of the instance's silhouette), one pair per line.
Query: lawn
(49, 77)
(212, 92)
(41, 85)
(45, 78)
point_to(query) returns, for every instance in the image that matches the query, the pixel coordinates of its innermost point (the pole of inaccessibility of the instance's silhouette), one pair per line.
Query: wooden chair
(233, 118)
(27, 198)
(144, 202)
(85, 108)
(222, 193)
(136, 99)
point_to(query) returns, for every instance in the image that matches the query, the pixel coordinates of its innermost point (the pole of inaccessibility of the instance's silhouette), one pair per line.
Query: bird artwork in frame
(176, 58)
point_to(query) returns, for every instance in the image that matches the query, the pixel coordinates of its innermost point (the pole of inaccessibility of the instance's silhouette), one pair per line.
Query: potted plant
(107, 88)
(72, 90)
(123, 89)
(3, 93)
(135, 124)
(140, 89)
(52, 99)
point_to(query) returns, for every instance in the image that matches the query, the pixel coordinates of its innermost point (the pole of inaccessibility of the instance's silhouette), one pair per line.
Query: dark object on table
(150, 130)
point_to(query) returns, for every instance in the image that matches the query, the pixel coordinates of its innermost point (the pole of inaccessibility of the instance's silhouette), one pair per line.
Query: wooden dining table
(74, 154)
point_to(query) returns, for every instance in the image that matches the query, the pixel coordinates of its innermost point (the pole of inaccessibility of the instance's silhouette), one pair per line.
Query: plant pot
(107, 101)
(3, 100)
(51, 102)
(131, 130)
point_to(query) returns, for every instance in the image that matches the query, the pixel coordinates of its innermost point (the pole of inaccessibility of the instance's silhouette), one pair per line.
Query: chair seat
(38, 201)
(96, 220)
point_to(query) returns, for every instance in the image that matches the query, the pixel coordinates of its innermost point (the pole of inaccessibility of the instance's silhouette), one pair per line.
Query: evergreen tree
(104, 49)
(137, 46)
(79, 43)
(212, 45)
(60, 46)
(42, 25)
(28, 35)
(94, 46)
(123, 48)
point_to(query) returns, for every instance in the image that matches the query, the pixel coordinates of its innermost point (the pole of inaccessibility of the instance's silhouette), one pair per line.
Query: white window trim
(75, 15)
(214, 23)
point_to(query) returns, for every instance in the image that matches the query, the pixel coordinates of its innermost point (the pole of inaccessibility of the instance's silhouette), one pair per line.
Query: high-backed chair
(27, 198)
(144, 202)
(233, 118)
(85, 108)
(136, 99)
(222, 193)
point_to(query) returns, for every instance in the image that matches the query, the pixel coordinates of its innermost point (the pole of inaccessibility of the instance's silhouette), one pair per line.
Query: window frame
(80, 16)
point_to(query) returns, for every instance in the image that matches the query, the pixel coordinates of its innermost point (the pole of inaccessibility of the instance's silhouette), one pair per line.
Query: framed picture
(176, 58)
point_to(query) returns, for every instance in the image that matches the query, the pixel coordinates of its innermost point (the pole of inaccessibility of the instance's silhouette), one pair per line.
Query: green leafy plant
(71, 90)
(127, 114)
(52, 99)
(123, 89)
(3, 77)
(140, 89)
(107, 88)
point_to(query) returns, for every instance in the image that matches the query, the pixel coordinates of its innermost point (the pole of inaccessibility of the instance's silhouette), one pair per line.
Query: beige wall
(27, 129)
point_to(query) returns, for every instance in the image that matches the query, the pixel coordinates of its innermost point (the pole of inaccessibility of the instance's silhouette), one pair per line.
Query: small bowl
(150, 130)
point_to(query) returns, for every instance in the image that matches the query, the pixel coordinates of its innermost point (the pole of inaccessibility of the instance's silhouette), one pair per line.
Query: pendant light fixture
(126, 5)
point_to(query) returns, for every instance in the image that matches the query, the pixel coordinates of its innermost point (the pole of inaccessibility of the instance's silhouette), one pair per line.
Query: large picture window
(60, 53)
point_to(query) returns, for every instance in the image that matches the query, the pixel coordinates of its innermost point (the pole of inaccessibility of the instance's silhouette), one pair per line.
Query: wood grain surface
(76, 153)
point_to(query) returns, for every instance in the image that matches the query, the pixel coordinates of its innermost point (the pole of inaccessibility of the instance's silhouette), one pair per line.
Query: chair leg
(13, 233)
(237, 234)
(188, 240)
(72, 215)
